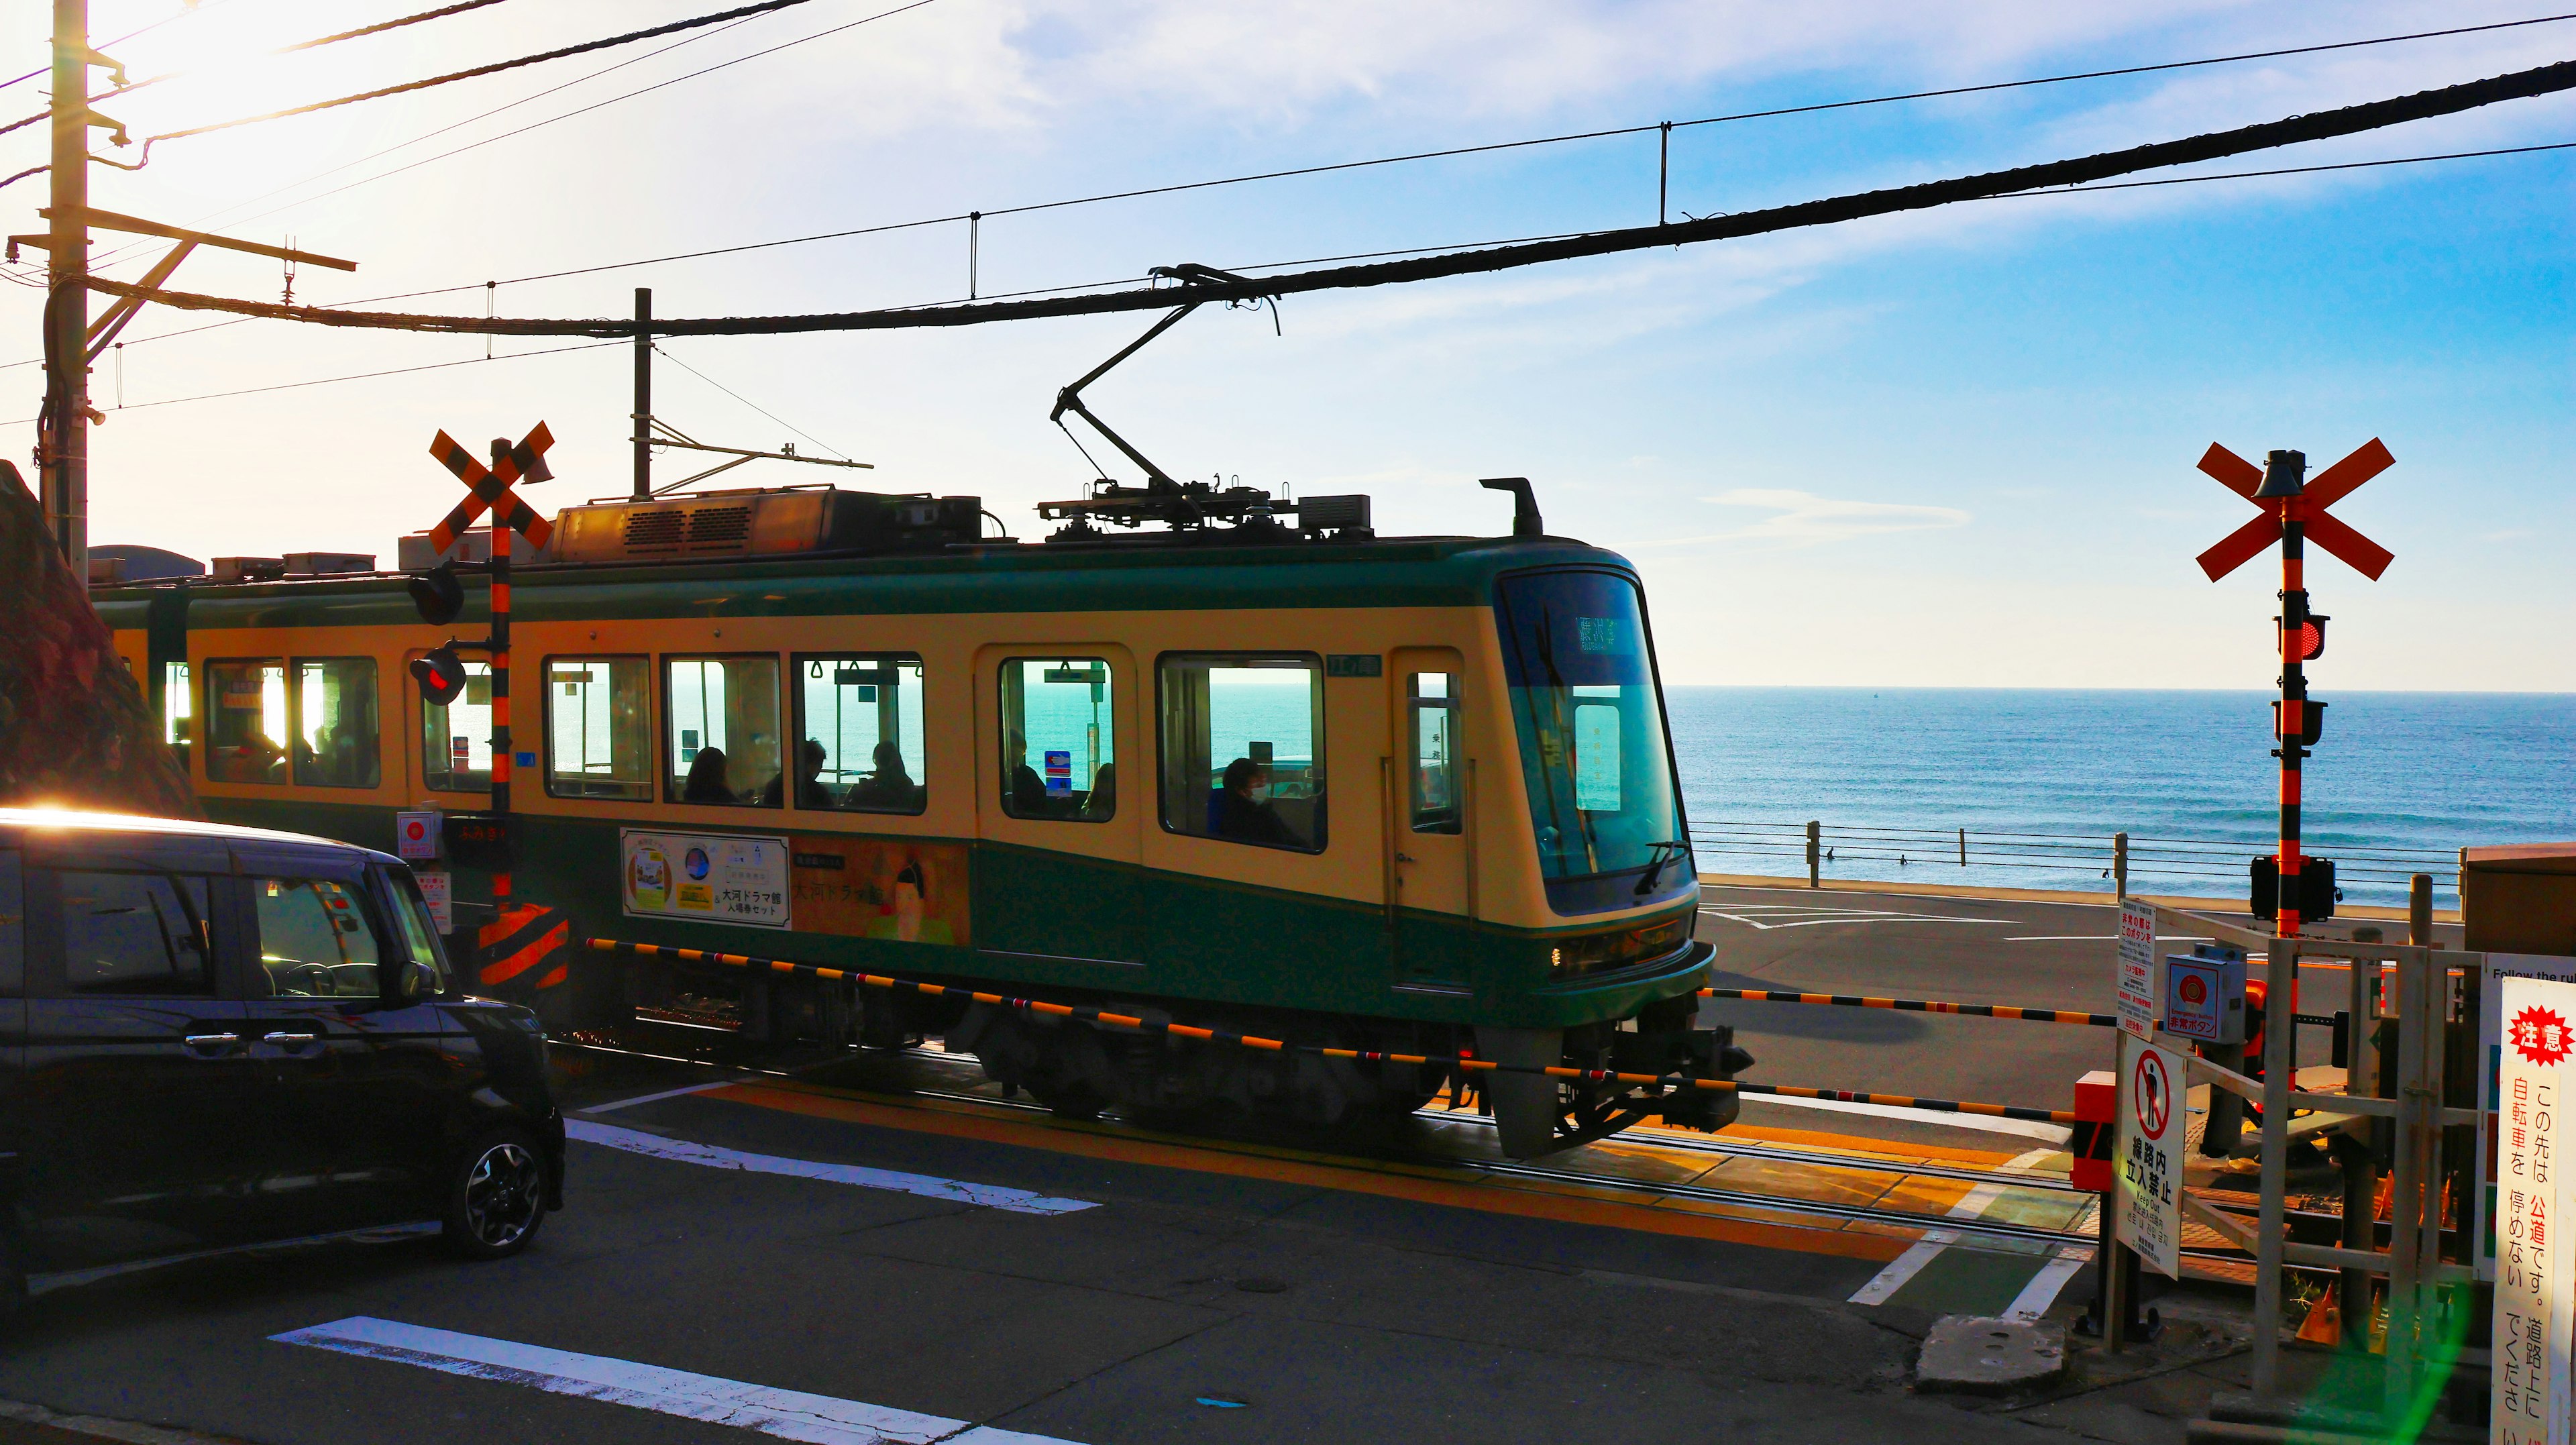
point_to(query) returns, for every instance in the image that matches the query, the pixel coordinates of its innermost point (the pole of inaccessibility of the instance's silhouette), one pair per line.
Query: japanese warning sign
(2533, 1305)
(2148, 1199)
(2140, 1007)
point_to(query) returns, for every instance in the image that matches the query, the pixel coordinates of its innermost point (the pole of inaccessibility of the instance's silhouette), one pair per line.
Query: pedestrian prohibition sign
(2147, 1196)
(2151, 1094)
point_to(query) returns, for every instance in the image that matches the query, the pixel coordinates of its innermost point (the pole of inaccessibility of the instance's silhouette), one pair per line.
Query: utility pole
(643, 393)
(63, 460)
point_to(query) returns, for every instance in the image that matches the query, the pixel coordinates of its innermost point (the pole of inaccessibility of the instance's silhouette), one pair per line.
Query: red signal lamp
(440, 673)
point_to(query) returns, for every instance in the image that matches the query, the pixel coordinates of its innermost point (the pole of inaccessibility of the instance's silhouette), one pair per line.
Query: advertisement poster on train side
(2149, 1143)
(896, 889)
(2535, 1310)
(2499, 967)
(707, 878)
(2141, 1010)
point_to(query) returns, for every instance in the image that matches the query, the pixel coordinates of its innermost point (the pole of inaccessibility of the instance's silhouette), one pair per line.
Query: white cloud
(1803, 519)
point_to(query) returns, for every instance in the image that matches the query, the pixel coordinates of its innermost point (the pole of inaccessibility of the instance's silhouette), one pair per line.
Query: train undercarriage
(1080, 1068)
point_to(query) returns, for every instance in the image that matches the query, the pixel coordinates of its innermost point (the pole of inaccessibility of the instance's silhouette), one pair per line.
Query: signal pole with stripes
(2294, 510)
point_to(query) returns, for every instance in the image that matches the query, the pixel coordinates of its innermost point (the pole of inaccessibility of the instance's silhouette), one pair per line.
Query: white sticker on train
(712, 878)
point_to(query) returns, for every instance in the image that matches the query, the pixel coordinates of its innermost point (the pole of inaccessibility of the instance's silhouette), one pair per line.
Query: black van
(215, 1036)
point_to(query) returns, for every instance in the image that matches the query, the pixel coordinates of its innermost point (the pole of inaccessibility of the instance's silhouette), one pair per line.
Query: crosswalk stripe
(685, 1151)
(787, 1414)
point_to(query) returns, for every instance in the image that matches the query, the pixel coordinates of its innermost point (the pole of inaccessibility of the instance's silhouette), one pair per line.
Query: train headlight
(1600, 952)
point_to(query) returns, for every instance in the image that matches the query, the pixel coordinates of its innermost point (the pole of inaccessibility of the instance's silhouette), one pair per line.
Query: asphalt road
(675, 1300)
(1921, 946)
(1180, 1305)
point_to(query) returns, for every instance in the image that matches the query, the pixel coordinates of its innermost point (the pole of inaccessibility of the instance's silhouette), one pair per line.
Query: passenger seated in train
(811, 792)
(1243, 811)
(706, 782)
(889, 787)
(1103, 802)
(1028, 791)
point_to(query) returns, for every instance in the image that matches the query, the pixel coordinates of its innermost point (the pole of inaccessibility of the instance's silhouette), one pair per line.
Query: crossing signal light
(2317, 891)
(2312, 636)
(437, 594)
(441, 674)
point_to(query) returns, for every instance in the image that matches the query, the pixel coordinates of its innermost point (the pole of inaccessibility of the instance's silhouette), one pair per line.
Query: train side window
(1059, 739)
(456, 740)
(1432, 712)
(599, 728)
(336, 724)
(246, 721)
(176, 710)
(1242, 752)
(720, 730)
(859, 732)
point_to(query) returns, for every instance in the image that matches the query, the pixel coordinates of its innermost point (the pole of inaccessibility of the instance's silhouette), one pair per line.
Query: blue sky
(1950, 448)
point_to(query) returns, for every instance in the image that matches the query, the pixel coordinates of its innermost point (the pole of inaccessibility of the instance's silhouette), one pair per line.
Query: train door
(1426, 835)
(1057, 877)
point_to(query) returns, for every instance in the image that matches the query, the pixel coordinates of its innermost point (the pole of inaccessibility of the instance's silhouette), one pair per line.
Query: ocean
(2040, 779)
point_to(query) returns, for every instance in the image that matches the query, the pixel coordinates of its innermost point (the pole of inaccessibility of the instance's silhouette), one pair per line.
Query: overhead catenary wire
(115, 92)
(871, 19)
(1452, 152)
(2078, 171)
(354, 376)
(665, 354)
(558, 53)
(191, 9)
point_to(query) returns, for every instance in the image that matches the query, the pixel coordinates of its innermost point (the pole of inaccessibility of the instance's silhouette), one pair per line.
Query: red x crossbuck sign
(490, 487)
(2309, 507)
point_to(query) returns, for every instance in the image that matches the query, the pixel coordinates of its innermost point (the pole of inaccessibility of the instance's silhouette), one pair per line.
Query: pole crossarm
(2294, 130)
(136, 225)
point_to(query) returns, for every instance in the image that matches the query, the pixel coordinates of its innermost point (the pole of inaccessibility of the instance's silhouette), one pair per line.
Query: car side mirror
(419, 981)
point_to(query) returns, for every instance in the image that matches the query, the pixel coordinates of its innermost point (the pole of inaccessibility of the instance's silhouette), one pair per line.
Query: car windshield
(1593, 749)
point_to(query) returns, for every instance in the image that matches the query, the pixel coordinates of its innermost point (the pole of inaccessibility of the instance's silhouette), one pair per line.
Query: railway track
(1718, 1147)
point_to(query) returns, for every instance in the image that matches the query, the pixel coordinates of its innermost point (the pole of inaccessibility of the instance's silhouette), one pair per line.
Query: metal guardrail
(2183, 865)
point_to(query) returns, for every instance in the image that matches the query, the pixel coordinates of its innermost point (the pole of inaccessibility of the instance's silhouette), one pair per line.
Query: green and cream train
(1402, 794)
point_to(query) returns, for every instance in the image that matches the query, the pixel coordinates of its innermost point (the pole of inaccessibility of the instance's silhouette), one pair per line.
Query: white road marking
(787, 1414)
(685, 1151)
(655, 1098)
(2026, 1128)
(1784, 916)
(2037, 1296)
(1909, 1264)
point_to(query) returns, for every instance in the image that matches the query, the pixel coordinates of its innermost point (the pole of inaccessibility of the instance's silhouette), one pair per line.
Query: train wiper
(1664, 853)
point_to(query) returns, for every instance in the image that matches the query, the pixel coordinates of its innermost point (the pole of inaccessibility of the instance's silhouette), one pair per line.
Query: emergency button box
(2205, 994)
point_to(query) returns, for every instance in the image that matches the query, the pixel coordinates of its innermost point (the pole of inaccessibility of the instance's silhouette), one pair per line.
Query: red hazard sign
(2309, 507)
(2541, 1036)
(2151, 1094)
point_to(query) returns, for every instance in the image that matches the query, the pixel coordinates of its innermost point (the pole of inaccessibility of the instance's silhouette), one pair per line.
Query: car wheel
(496, 1196)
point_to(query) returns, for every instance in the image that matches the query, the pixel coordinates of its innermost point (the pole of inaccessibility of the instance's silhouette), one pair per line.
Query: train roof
(982, 577)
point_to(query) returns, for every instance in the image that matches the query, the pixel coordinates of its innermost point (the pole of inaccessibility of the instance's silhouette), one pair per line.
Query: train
(1201, 755)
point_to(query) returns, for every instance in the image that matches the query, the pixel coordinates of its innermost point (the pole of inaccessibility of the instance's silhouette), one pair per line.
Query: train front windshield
(1593, 749)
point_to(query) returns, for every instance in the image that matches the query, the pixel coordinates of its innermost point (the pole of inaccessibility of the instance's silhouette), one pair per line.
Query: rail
(2180, 865)
(1465, 1065)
